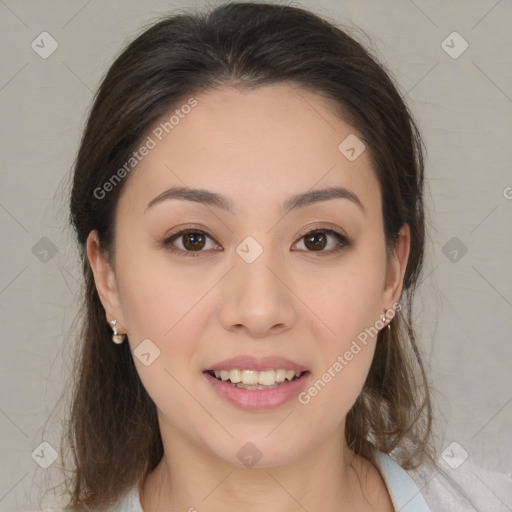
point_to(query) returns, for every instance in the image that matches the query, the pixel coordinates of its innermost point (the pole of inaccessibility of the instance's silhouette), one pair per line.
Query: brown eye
(193, 241)
(319, 240)
(315, 241)
(190, 242)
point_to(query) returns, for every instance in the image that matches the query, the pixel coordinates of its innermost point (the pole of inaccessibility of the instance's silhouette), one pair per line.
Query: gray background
(464, 108)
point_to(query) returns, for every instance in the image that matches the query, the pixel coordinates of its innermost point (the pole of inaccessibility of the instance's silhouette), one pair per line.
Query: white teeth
(290, 374)
(256, 378)
(235, 376)
(267, 377)
(280, 375)
(250, 376)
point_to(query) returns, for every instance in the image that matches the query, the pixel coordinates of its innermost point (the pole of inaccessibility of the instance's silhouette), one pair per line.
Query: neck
(331, 477)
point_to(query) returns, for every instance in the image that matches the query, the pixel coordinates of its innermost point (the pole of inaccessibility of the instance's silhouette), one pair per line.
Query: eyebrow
(222, 202)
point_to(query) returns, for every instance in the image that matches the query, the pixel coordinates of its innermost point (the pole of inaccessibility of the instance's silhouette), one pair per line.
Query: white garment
(410, 491)
(420, 490)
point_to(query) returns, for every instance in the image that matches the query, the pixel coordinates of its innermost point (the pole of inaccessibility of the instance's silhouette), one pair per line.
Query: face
(270, 278)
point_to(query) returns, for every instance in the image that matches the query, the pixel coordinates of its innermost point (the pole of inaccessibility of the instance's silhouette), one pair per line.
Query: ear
(105, 280)
(396, 268)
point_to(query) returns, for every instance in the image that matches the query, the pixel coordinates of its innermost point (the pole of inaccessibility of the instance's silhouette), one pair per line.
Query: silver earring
(116, 338)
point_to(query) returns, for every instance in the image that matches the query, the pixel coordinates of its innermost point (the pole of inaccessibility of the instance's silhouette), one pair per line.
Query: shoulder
(441, 492)
(130, 502)
(424, 489)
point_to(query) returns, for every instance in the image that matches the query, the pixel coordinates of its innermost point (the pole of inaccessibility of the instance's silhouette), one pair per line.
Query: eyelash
(342, 240)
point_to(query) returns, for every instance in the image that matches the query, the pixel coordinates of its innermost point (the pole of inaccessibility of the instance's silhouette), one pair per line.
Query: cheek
(157, 297)
(344, 360)
(348, 305)
(162, 304)
(347, 299)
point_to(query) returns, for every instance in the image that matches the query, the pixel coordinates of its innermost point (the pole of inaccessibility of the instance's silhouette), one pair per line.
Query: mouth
(257, 379)
(256, 383)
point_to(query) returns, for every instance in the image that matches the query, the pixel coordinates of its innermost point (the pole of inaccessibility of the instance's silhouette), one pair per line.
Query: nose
(257, 298)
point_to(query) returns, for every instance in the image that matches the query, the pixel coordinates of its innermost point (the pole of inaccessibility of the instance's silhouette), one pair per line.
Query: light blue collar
(404, 492)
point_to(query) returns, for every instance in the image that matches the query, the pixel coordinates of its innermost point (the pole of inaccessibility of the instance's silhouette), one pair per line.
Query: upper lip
(247, 362)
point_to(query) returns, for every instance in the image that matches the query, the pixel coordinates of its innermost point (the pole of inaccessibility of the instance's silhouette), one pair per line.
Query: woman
(248, 202)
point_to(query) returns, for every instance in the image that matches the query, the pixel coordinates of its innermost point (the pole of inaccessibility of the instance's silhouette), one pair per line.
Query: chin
(259, 450)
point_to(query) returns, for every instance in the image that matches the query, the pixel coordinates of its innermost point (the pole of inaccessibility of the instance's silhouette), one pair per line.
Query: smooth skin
(303, 301)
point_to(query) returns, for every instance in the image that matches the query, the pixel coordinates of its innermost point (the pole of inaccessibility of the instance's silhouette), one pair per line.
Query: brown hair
(113, 430)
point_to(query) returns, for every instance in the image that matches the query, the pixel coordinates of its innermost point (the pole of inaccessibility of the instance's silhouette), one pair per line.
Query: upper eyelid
(322, 226)
(186, 229)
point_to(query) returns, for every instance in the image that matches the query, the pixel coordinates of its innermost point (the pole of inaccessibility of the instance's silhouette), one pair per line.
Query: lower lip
(257, 399)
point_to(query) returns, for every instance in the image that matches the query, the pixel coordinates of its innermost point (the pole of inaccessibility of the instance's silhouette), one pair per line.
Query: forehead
(264, 144)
